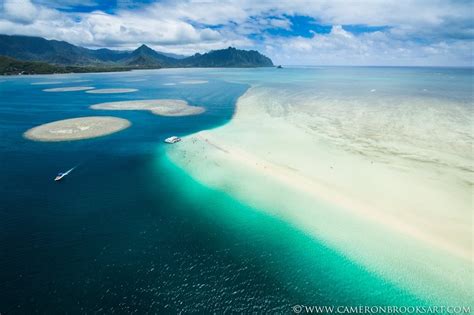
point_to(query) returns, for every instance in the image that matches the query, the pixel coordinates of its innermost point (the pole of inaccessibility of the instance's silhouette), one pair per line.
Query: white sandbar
(162, 107)
(77, 128)
(47, 83)
(70, 89)
(111, 91)
(80, 81)
(194, 82)
(403, 212)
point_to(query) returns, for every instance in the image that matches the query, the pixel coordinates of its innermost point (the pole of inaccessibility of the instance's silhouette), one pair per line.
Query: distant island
(37, 55)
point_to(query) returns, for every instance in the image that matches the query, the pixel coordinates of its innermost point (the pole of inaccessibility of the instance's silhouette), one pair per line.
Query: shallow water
(358, 158)
(130, 231)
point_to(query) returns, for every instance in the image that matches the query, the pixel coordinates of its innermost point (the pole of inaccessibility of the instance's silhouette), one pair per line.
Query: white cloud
(283, 23)
(340, 47)
(119, 30)
(20, 11)
(445, 27)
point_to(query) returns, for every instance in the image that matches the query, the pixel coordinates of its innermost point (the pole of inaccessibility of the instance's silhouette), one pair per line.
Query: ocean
(144, 227)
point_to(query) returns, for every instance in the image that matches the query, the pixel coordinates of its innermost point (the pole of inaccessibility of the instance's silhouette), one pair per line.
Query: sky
(291, 32)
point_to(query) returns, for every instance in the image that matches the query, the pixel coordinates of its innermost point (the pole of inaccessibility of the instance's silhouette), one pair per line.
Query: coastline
(317, 200)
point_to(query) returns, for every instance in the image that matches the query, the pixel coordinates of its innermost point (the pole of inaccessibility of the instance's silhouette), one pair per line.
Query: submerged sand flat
(162, 107)
(111, 91)
(194, 82)
(47, 83)
(346, 175)
(80, 81)
(77, 128)
(70, 89)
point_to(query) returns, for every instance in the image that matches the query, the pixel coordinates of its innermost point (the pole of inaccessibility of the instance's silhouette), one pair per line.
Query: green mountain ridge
(145, 56)
(64, 54)
(230, 57)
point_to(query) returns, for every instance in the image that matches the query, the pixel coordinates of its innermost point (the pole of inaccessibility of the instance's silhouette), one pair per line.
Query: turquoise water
(130, 232)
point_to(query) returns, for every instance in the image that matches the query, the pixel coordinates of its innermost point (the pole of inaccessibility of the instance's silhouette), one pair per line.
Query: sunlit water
(131, 231)
(376, 163)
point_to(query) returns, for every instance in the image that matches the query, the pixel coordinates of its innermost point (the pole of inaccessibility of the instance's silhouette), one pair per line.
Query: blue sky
(317, 32)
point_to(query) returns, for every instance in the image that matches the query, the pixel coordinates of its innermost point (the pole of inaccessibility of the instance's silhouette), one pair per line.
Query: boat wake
(62, 175)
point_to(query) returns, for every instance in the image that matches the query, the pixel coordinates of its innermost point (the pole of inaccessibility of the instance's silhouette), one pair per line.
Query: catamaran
(62, 175)
(172, 140)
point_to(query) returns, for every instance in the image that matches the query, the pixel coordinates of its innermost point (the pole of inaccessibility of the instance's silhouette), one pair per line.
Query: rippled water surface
(128, 231)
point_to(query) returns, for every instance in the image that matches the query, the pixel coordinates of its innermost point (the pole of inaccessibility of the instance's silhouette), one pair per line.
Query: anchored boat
(172, 139)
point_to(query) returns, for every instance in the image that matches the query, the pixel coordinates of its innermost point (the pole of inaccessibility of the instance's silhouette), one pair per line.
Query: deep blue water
(127, 232)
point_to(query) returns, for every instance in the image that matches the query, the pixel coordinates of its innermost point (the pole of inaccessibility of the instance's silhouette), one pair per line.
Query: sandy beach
(387, 213)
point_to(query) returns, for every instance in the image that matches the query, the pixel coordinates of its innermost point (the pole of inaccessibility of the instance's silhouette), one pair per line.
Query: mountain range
(63, 55)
